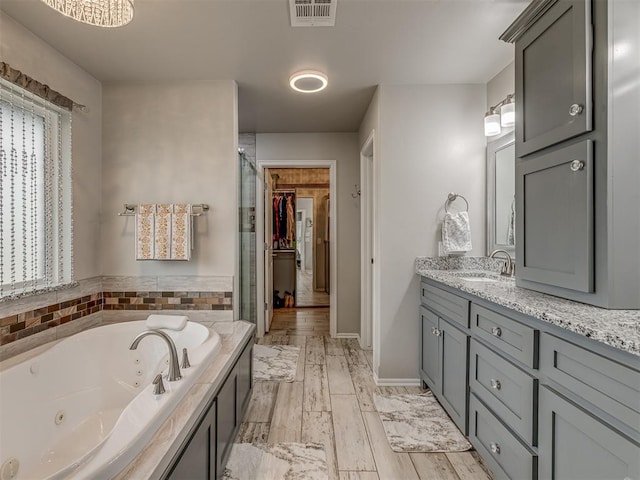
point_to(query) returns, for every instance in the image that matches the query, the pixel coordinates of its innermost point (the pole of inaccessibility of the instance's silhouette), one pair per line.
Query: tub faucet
(174, 368)
(509, 267)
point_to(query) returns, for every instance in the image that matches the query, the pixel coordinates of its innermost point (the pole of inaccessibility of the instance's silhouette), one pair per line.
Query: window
(35, 193)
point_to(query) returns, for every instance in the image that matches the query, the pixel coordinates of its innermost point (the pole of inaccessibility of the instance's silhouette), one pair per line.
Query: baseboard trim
(396, 382)
(348, 335)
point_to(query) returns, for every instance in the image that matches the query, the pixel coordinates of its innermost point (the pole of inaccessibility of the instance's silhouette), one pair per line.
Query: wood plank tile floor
(305, 294)
(330, 402)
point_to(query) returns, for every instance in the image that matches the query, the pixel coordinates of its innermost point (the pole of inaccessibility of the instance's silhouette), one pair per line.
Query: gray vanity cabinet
(576, 446)
(554, 193)
(207, 450)
(553, 77)
(430, 368)
(445, 351)
(577, 224)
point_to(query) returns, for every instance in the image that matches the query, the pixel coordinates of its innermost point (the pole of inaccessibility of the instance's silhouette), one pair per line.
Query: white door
(268, 251)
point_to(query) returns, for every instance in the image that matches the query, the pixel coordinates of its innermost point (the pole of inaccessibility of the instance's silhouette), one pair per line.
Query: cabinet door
(430, 361)
(553, 77)
(198, 460)
(455, 355)
(227, 420)
(554, 215)
(576, 446)
(244, 380)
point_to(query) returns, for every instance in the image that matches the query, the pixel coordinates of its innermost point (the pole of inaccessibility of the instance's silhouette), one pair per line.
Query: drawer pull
(495, 384)
(495, 448)
(496, 331)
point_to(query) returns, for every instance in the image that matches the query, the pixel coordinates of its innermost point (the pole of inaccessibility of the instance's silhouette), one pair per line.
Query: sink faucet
(509, 267)
(174, 368)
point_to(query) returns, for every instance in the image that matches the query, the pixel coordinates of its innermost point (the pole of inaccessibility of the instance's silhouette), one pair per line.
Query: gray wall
(343, 148)
(170, 143)
(430, 141)
(26, 52)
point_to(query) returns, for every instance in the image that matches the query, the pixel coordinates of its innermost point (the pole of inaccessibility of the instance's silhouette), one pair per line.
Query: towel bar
(130, 209)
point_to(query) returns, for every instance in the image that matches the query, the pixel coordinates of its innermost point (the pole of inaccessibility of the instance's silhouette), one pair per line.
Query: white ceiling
(251, 41)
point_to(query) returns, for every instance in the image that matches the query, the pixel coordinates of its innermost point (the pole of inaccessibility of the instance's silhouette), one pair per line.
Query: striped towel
(145, 227)
(181, 232)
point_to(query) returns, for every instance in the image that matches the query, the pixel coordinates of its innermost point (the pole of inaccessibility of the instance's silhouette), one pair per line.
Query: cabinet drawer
(507, 390)
(507, 335)
(507, 457)
(450, 306)
(608, 385)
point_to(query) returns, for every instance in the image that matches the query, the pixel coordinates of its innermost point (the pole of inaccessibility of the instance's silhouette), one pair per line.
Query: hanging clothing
(291, 221)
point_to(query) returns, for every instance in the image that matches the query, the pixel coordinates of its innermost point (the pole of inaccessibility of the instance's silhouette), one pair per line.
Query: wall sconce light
(491, 123)
(503, 114)
(508, 112)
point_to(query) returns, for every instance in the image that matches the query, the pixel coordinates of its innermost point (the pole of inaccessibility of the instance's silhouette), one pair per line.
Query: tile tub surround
(163, 447)
(21, 325)
(206, 299)
(617, 328)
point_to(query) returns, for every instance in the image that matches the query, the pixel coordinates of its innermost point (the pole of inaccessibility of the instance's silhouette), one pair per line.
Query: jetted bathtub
(84, 408)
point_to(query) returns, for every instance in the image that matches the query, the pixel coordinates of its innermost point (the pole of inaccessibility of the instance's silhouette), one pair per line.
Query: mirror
(501, 215)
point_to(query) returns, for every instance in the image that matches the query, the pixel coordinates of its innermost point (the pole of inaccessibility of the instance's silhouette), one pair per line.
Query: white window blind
(36, 233)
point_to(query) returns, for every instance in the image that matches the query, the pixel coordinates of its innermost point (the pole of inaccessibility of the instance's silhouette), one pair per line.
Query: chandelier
(101, 13)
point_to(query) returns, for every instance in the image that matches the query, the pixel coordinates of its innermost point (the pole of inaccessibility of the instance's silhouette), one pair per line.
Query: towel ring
(452, 197)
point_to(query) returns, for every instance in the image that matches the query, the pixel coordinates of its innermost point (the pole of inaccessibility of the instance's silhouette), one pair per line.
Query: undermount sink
(476, 276)
(479, 279)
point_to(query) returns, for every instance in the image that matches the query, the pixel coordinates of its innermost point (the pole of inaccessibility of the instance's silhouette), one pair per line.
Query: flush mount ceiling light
(503, 114)
(101, 13)
(308, 81)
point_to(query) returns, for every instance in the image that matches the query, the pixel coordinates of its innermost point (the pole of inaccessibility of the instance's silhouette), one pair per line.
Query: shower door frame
(260, 232)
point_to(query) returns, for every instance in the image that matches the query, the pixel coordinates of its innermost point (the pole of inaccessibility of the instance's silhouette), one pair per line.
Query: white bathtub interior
(85, 406)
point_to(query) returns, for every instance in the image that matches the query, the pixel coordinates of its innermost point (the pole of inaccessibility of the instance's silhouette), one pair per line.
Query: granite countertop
(616, 328)
(154, 459)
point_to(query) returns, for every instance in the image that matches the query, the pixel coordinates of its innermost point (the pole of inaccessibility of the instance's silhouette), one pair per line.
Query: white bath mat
(276, 363)
(291, 461)
(417, 423)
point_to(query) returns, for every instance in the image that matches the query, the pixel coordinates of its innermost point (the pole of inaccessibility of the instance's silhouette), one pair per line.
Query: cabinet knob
(577, 165)
(495, 384)
(435, 331)
(575, 109)
(495, 448)
(496, 331)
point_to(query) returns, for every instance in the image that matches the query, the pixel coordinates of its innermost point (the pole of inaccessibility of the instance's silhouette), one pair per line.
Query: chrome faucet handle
(185, 359)
(158, 388)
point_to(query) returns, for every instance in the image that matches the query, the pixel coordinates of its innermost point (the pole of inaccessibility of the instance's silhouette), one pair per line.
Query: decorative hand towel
(170, 322)
(181, 232)
(145, 231)
(163, 231)
(456, 233)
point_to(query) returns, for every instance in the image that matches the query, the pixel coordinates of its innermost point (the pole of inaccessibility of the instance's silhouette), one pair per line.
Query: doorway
(297, 221)
(369, 322)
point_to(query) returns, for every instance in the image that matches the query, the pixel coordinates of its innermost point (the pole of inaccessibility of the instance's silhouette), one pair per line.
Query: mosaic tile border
(168, 301)
(21, 325)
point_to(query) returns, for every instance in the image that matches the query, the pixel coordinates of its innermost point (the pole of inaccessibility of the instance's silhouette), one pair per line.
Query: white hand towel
(456, 233)
(170, 322)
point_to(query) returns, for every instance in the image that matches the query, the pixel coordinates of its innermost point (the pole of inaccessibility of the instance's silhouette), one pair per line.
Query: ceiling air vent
(313, 13)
